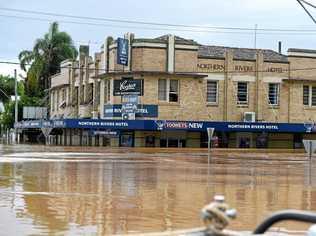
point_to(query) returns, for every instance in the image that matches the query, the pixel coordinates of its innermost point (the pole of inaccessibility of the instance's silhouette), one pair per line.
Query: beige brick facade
(192, 68)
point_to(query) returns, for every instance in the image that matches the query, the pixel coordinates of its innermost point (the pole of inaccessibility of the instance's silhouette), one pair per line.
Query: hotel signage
(141, 111)
(127, 87)
(237, 68)
(199, 126)
(122, 51)
(182, 125)
(106, 133)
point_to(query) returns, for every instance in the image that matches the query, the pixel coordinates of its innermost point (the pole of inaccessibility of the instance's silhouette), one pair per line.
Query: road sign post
(210, 132)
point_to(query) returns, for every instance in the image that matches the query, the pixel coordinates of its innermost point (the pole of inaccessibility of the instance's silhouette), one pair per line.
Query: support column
(260, 86)
(229, 92)
(86, 81)
(70, 136)
(102, 94)
(170, 54)
(80, 137)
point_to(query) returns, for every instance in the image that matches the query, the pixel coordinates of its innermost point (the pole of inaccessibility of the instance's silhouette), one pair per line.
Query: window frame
(247, 94)
(107, 91)
(167, 90)
(310, 95)
(172, 93)
(216, 95)
(53, 101)
(277, 94)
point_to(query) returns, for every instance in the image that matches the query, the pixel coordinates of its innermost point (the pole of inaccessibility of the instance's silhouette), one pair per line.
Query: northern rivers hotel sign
(237, 68)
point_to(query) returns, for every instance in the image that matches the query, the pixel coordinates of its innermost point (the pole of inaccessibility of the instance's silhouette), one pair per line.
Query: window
(57, 98)
(173, 91)
(211, 91)
(162, 89)
(309, 95)
(107, 91)
(313, 96)
(306, 95)
(273, 95)
(242, 93)
(63, 95)
(52, 100)
(168, 90)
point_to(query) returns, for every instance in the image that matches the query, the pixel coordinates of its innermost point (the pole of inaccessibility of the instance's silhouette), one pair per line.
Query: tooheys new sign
(127, 87)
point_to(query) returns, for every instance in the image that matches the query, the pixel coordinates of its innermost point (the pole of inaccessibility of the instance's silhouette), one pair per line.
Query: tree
(45, 58)
(7, 88)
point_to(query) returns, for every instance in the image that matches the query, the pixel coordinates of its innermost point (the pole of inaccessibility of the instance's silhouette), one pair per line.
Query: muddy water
(81, 191)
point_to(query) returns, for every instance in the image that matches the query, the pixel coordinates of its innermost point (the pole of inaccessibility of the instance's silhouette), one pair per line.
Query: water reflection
(128, 191)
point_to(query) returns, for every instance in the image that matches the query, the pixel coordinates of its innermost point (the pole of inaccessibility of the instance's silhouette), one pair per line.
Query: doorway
(127, 139)
(244, 140)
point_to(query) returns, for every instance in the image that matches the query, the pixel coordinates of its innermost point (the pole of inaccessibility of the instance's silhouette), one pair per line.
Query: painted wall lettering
(212, 67)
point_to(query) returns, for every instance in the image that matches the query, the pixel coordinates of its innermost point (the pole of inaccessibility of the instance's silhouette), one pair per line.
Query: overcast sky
(20, 34)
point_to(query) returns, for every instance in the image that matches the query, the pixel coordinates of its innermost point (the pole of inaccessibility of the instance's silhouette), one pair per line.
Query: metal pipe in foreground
(303, 216)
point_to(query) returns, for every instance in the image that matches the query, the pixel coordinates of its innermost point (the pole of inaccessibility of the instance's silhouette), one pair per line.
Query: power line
(311, 33)
(188, 72)
(308, 3)
(307, 12)
(149, 23)
(121, 26)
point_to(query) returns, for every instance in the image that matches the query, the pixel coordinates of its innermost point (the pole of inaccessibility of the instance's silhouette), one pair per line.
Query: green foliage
(7, 88)
(45, 58)
(7, 117)
(40, 63)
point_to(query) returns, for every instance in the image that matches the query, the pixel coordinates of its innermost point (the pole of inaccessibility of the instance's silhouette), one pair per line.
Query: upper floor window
(211, 91)
(242, 93)
(309, 95)
(63, 94)
(274, 93)
(168, 90)
(52, 100)
(107, 90)
(57, 100)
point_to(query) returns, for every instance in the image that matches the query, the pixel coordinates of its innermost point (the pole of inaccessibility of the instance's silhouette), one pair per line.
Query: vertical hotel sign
(122, 51)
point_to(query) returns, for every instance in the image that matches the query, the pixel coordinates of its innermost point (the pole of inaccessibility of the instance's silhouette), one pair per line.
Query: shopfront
(168, 133)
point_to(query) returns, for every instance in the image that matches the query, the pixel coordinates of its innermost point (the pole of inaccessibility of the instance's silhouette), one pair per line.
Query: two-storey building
(252, 97)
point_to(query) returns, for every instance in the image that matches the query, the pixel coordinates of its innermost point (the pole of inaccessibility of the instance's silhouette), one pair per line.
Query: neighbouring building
(172, 89)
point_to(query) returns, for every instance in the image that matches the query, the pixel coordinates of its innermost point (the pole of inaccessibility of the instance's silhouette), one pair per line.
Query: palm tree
(47, 54)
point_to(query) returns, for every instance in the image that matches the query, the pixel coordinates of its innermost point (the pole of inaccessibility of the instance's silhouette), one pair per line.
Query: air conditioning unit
(249, 117)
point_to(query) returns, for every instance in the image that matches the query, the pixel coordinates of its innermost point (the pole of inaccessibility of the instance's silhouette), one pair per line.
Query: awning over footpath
(158, 125)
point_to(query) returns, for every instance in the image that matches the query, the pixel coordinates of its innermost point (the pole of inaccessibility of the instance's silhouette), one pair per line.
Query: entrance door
(244, 140)
(173, 139)
(127, 139)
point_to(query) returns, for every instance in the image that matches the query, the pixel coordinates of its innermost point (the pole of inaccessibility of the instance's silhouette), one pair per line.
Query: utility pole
(256, 27)
(16, 103)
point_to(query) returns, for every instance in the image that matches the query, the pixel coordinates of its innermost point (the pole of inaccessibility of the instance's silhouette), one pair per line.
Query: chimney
(280, 47)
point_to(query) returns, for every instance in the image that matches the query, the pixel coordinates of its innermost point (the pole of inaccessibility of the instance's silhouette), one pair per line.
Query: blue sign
(129, 104)
(160, 125)
(106, 133)
(111, 111)
(122, 51)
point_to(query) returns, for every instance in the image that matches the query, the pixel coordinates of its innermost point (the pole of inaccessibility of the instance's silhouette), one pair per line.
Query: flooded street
(99, 191)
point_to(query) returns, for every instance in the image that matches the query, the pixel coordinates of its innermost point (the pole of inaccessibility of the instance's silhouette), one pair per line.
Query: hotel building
(175, 89)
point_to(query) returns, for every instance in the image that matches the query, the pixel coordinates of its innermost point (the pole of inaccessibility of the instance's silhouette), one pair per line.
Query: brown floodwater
(100, 191)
